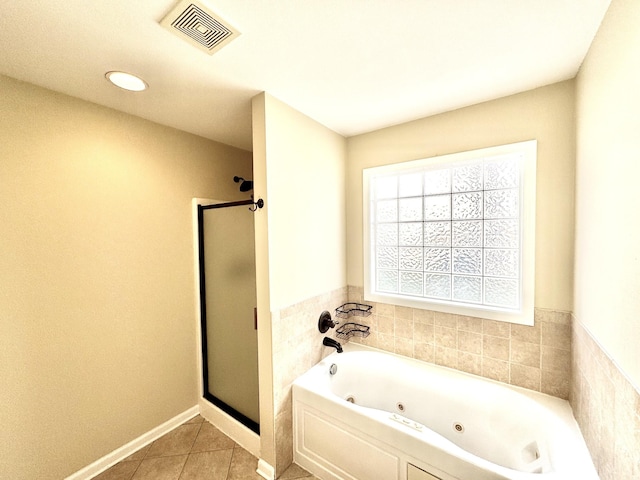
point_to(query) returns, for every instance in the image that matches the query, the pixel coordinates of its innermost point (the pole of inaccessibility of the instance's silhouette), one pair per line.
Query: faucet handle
(325, 322)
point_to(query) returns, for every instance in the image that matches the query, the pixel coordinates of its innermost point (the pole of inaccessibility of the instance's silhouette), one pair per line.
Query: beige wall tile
(555, 383)
(371, 340)
(470, 363)
(563, 318)
(403, 312)
(470, 324)
(627, 446)
(385, 310)
(496, 347)
(386, 342)
(404, 327)
(455, 341)
(424, 351)
(447, 357)
(525, 353)
(423, 333)
(607, 408)
(495, 369)
(446, 337)
(386, 325)
(496, 329)
(470, 342)
(445, 320)
(423, 316)
(552, 316)
(556, 359)
(525, 333)
(525, 376)
(403, 346)
(556, 335)
(355, 294)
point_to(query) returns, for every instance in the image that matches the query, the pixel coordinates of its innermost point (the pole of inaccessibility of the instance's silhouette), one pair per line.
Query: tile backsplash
(556, 356)
(607, 408)
(537, 357)
(297, 346)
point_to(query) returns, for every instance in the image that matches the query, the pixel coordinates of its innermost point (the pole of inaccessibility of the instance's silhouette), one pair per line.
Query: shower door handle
(255, 318)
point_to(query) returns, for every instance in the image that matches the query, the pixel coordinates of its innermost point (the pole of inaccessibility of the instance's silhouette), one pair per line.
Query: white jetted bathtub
(370, 415)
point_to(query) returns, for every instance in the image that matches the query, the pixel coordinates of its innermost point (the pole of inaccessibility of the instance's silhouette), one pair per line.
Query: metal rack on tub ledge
(351, 329)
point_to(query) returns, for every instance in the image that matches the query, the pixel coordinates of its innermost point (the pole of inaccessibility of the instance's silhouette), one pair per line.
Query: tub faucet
(330, 342)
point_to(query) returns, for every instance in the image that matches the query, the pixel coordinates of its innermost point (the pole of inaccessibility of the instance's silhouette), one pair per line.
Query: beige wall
(306, 190)
(96, 274)
(607, 277)
(605, 391)
(545, 114)
(299, 166)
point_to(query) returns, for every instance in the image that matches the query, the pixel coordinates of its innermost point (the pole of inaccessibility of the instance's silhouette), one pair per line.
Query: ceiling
(352, 65)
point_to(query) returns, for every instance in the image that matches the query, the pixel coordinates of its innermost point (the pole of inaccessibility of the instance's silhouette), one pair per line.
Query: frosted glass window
(387, 211)
(501, 263)
(437, 234)
(387, 280)
(502, 233)
(467, 289)
(437, 260)
(410, 258)
(410, 185)
(387, 234)
(467, 260)
(410, 233)
(467, 206)
(467, 234)
(411, 283)
(386, 187)
(438, 286)
(467, 178)
(437, 207)
(387, 257)
(502, 292)
(501, 173)
(437, 181)
(502, 203)
(410, 209)
(454, 233)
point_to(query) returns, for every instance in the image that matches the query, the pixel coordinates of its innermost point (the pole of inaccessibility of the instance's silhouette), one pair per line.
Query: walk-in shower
(227, 297)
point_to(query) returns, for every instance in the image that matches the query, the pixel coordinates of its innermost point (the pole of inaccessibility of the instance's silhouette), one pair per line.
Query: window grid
(454, 249)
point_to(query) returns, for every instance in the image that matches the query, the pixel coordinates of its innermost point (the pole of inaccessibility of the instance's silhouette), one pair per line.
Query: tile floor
(195, 450)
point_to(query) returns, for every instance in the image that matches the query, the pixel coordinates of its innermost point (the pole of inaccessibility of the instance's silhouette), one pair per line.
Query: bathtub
(380, 416)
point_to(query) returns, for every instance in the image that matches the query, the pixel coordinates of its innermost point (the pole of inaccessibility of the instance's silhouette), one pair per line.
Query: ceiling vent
(198, 25)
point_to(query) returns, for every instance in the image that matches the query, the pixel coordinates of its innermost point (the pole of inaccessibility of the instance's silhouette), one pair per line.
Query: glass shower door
(228, 301)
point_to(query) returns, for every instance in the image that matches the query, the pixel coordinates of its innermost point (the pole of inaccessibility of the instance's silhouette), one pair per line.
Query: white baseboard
(133, 446)
(243, 436)
(265, 470)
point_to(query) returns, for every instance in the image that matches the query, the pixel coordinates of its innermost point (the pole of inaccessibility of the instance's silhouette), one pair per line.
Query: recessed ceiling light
(126, 81)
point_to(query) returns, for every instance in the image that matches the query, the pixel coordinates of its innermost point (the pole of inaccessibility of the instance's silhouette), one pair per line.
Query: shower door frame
(200, 205)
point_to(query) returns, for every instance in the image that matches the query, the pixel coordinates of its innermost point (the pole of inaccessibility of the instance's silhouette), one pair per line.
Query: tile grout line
(195, 438)
(230, 462)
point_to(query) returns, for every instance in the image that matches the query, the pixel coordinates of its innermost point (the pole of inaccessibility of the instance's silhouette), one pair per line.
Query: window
(454, 233)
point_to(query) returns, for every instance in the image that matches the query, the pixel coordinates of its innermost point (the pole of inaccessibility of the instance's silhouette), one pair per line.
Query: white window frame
(522, 315)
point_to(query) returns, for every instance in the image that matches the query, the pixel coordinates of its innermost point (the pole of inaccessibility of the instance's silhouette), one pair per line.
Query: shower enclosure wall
(227, 301)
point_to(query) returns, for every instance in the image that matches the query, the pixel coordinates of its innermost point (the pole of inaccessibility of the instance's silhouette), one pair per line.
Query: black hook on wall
(257, 205)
